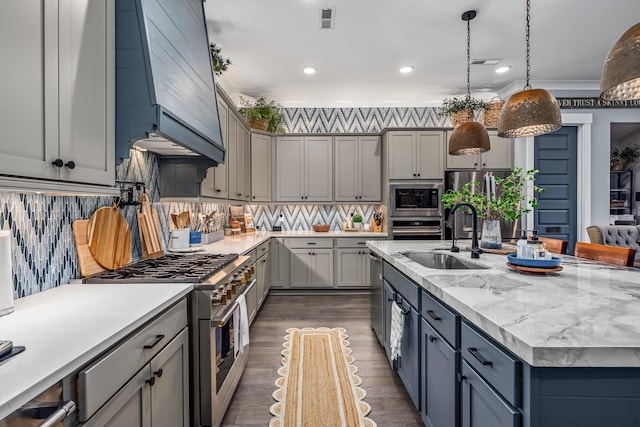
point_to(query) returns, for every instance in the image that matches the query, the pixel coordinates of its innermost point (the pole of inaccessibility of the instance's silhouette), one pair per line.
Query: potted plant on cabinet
(220, 63)
(624, 158)
(461, 110)
(262, 115)
(507, 202)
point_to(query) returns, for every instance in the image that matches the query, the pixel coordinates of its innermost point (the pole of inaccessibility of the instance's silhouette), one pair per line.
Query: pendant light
(621, 74)
(470, 137)
(529, 112)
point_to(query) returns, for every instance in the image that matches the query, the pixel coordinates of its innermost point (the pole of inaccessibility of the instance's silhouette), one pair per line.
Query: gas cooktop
(170, 268)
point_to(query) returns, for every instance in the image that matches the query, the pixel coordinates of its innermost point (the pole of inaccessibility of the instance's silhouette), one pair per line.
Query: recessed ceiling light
(406, 69)
(503, 69)
(309, 70)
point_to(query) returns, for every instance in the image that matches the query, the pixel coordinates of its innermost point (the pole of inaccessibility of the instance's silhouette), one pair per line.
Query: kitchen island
(528, 350)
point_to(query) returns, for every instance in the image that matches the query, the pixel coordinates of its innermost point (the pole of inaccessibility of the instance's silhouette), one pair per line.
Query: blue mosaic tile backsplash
(43, 248)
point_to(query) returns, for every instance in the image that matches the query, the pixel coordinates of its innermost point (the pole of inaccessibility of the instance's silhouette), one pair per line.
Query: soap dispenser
(521, 246)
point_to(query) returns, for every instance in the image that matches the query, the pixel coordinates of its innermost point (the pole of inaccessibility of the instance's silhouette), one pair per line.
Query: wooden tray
(534, 270)
(506, 250)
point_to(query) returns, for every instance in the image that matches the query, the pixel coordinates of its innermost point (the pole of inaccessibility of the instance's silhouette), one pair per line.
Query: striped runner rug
(318, 385)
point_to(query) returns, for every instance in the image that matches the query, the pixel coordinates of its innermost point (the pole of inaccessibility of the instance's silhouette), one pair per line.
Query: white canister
(179, 238)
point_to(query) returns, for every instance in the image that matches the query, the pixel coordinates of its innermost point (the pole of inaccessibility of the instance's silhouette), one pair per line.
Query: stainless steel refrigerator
(454, 180)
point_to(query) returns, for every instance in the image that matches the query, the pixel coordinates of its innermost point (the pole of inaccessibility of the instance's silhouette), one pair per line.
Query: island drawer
(102, 379)
(301, 243)
(443, 320)
(404, 286)
(501, 370)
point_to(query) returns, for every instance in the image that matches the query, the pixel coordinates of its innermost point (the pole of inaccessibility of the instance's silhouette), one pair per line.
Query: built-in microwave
(416, 199)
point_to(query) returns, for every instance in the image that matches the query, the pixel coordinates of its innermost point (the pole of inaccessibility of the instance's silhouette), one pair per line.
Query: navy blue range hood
(165, 91)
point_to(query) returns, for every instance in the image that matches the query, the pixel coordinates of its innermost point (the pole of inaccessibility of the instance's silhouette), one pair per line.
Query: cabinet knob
(217, 190)
(432, 338)
(70, 164)
(151, 381)
(484, 164)
(158, 373)
(414, 174)
(254, 197)
(418, 174)
(460, 377)
(475, 164)
(238, 194)
(58, 163)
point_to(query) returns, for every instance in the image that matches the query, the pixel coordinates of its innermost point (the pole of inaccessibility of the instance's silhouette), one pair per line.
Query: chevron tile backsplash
(360, 120)
(43, 248)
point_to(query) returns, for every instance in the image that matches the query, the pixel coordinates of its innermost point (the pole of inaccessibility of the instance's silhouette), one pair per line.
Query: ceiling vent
(484, 61)
(326, 18)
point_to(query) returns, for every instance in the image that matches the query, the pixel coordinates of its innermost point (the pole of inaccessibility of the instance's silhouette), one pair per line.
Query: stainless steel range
(219, 280)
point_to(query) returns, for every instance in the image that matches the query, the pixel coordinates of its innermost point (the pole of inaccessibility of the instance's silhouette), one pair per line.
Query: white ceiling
(270, 41)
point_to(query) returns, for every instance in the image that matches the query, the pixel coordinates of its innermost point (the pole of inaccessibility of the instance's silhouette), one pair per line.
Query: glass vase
(491, 235)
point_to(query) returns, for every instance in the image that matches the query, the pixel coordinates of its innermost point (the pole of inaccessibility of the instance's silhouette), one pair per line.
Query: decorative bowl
(321, 227)
(535, 263)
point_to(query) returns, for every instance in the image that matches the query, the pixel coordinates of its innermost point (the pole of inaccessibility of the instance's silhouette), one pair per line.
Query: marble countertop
(588, 314)
(247, 241)
(66, 327)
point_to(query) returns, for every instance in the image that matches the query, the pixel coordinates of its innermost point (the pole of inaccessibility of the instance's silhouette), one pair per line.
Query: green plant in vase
(461, 110)
(262, 115)
(357, 220)
(508, 202)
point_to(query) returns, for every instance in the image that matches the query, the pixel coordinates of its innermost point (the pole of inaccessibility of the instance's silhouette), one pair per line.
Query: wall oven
(415, 228)
(411, 199)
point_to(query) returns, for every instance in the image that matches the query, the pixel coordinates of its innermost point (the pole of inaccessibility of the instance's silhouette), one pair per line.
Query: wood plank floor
(390, 403)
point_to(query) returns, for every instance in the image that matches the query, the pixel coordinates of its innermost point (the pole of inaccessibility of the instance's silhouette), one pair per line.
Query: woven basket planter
(490, 116)
(462, 116)
(259, 124)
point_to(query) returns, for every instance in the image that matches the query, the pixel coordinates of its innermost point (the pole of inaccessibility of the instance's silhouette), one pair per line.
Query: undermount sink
(442, 261)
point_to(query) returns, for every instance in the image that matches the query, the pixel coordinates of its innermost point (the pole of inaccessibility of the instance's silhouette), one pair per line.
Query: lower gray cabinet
(311, 268)
(352, 268)
(481, 405)
(279, 254)
(409, 361)
(263, 275)
(439, 391)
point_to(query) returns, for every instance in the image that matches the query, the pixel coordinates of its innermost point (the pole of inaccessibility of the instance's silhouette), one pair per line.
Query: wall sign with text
(571, 103)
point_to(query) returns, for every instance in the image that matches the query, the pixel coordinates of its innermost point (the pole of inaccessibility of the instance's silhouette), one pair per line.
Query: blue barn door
(556, 158)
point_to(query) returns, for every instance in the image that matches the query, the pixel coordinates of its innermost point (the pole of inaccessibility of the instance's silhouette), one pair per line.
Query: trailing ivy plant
(509, 201)
(220, 63)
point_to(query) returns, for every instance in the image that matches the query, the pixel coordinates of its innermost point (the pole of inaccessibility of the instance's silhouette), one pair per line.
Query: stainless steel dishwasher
(375, 265)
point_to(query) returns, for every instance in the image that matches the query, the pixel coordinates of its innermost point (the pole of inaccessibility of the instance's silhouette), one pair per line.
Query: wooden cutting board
(88, 265)
(149, 224)
(109, 238)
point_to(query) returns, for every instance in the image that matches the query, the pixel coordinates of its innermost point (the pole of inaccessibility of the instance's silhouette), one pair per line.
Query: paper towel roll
(6, 274)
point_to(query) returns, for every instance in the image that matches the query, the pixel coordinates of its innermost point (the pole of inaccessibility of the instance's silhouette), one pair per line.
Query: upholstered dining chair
(557, 246)
(605, 253)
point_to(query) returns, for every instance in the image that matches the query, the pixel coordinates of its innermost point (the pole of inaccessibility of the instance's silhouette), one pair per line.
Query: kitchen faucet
(475, 250)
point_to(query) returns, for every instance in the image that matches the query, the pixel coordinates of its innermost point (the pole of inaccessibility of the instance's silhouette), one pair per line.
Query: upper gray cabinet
(58, 122)
(303, 169)
(415, 154)
(216, 183)
(260, 167)
(500, 156)
(358, 163)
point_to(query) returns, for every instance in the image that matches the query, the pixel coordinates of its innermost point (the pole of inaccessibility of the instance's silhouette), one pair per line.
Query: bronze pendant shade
(530, 112)
(470, 137)
(621, 74)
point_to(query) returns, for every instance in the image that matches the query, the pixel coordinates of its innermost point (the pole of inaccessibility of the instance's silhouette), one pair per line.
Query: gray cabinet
(352, 263)
(58, 123)
(415, 154)
(358, 166)
(260, 168)
(279, 255)
(311, 268)
(215, 184)
(500, 156)
(440, 404)
(388, 297)
(263, 273)
(142, 381)
(304, 169)
(238, 160)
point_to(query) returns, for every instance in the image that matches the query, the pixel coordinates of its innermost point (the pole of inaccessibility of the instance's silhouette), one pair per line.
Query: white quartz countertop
(588, 314)
(248, 241)
(66, 327)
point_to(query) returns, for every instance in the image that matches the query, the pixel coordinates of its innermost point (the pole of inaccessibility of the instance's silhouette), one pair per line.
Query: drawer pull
(158, 373)
(433, 315)
(311, 243)
(460, 377)
(474, 353)
(432, 338)
(405, 312)
(155, 342)
(362, 243)
(151, 381)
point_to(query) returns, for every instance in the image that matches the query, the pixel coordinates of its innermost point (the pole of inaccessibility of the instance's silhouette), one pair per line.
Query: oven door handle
(225, 316)
(418, 232)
